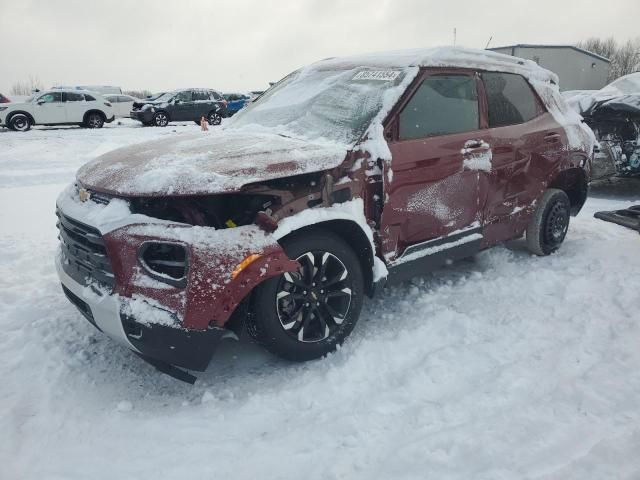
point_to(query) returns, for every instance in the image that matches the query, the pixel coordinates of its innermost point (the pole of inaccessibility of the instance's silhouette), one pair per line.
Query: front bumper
(100, 267)
(190, 349)
(144, 116)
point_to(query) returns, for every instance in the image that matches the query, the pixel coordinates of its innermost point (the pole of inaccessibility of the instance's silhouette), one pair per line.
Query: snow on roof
(457, 57)
(573, 47)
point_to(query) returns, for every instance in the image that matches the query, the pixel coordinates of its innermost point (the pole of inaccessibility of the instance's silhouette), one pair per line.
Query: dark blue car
(235, 102)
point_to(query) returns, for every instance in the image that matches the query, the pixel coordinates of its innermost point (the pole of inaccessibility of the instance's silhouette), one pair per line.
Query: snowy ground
(506, 366)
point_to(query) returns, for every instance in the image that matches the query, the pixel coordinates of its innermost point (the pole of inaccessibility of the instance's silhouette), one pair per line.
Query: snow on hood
(205, 163)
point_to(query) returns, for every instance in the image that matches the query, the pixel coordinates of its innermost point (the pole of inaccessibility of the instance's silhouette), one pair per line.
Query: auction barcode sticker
(383, 75)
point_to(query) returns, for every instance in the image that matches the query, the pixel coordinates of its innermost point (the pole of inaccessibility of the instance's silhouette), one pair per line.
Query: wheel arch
(23, 112)
(93, 110)
(352, 233)
(574, 182)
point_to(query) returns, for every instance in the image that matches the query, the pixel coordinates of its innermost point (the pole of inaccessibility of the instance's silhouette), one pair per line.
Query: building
(578, 69)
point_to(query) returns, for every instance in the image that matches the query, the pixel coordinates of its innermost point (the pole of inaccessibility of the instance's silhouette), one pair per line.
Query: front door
(49, 109)
(431, 185)
(182, 108)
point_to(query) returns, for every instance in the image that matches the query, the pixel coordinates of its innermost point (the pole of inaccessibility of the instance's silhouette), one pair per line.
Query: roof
(573, 47)
(455, 57)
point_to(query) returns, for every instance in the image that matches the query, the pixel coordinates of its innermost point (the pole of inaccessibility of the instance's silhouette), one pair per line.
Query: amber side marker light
(244, 264)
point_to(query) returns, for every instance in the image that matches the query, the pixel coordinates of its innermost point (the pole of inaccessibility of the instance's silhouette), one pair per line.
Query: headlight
(164, 261)
(3, 108)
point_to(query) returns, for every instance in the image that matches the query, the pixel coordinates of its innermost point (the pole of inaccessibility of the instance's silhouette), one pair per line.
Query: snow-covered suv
(57, 107)
(345, 174)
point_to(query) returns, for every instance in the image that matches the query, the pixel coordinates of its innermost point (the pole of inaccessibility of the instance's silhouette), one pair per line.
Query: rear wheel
(214, 118)
(550, 223)
(161, 119)
(305, 314)
(20, 122)
(94, 120)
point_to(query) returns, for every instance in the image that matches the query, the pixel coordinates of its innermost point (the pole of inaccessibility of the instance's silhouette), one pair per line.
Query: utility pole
(454, 36)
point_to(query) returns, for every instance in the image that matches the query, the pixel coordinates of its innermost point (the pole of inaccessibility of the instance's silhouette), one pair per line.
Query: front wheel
(306, 314)
(214, 118)
(161, 119)
(20, 123)
(550, 222)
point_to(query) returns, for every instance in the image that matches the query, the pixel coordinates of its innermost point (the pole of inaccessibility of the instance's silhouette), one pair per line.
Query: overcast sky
(243, 44)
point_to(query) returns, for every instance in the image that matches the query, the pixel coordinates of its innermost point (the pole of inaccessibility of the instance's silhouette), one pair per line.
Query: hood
(205, 163)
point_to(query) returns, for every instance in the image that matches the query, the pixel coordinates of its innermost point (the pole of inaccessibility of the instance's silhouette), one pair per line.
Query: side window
(185, 96)
(443, 104)
(510, 99)
(89, 98)
(200, 95)
(51, 97)
(73, 97)
(215, 96)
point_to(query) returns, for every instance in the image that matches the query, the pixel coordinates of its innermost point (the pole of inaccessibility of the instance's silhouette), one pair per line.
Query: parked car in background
(181, 105)
(613, 113)
(4, 99)
(101, 89)
(58, 107)
(399, 163)
(235, 102)
(122, 104)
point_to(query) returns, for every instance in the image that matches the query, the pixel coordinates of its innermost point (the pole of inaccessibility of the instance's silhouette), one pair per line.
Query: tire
(20, 122)
(287, 323)
(550, 223)
(161, 119)
(94, 120)
(214, 118)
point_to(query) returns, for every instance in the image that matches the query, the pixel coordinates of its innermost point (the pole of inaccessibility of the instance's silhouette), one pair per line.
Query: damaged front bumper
(170, 320)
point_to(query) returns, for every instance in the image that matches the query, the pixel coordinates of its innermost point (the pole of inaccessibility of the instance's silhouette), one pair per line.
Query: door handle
(552, 137)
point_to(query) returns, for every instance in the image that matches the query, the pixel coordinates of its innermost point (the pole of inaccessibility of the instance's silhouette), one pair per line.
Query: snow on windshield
(331, 104)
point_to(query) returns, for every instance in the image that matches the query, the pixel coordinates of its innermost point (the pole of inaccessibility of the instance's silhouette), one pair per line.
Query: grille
(83, 253)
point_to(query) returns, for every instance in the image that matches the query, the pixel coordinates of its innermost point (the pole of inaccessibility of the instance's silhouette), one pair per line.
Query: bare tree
(624, 58)
(26, 87)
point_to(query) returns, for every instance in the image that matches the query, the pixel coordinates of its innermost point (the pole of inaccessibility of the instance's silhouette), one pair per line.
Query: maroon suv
(344, 175)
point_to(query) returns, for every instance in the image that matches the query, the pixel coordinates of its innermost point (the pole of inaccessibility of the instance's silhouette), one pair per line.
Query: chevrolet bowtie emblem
(84, 195)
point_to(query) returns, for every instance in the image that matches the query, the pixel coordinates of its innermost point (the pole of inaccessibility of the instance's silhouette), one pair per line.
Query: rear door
(431, 186)
(75, 106)
(49, 109)
(526, 142)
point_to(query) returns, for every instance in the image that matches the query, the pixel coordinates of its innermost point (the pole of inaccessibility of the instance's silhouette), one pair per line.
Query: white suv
(57, 107)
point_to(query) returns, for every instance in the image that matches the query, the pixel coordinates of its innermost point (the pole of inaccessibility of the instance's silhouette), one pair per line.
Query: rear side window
(201, 95)
(510, 99)
(443, 104)
(73, 97)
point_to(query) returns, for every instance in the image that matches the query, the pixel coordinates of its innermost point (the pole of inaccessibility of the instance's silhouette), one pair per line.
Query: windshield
(165, 97)
(336, 105)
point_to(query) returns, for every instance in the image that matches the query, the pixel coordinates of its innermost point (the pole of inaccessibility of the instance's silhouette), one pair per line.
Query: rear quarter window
(510, 99)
